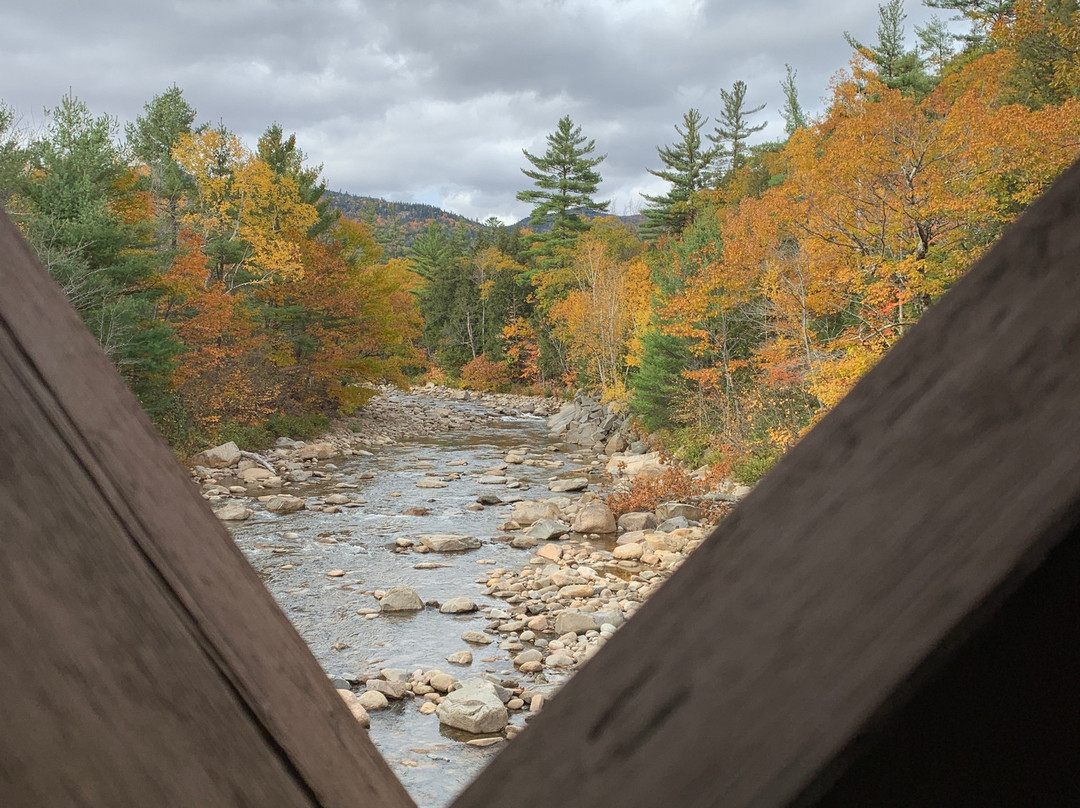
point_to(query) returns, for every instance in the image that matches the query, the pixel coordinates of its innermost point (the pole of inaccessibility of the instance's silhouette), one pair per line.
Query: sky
(426, 101)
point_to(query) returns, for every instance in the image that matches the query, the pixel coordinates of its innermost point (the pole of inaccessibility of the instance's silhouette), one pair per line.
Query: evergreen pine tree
(687, 166)
(898, 68)
(565, 183)
(792, 112)
(658, 383)
(732, 130)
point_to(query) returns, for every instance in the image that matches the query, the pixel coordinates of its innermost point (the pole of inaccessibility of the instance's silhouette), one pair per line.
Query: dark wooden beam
(142, 663)
(923, 534)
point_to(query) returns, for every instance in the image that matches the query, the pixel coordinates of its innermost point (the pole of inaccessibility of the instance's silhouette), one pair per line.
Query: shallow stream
(433, 762)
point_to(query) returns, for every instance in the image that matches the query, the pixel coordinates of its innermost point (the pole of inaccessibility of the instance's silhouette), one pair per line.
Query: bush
(675, 485)
(485, 375)
(253, 437)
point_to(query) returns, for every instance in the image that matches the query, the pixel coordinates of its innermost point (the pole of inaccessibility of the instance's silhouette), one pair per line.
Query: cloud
(428, 100)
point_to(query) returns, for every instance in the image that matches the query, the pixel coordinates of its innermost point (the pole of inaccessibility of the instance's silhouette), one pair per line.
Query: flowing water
(294, 553)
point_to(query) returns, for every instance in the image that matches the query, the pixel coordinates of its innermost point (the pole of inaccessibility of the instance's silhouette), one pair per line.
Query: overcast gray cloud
(433, 101)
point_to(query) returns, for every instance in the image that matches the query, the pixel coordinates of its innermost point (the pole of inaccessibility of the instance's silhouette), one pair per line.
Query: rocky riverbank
(582, 571)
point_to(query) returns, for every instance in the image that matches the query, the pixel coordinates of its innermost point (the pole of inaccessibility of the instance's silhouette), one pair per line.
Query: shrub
(675, 485)
(485, 375)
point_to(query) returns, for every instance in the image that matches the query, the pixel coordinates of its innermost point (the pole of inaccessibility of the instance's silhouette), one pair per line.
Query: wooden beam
(880, 566)
(142, 662)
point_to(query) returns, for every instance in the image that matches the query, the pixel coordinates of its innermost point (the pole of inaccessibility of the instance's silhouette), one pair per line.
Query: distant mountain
(396, 224)
(633, 221)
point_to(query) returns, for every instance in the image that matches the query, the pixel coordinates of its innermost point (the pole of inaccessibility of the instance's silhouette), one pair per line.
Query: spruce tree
(687, 167)
(732, 130)
(565, 182)
(897, 68)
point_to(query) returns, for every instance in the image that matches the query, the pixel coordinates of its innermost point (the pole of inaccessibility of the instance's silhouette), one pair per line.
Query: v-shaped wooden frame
(898, 594)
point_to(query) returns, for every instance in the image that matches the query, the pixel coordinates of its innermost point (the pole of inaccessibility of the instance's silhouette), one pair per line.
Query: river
(294, 553)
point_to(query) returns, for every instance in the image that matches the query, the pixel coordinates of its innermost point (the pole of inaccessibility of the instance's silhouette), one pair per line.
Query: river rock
(668, 510)
(627, 552)
(416, 510)
(595, 517)
(477, 638)
(431, 482)
(488, 499)
(532, 655)
(463, 657)
(441, 681)
(648, 466)
(672, 524)
(449, 542)
(316, 451)
(474, 707)
(565, 486)
(638, 520)
(576, 622)
(232, 512)
(550, 552)
(523, 542)
(547, 529)
(392, 690)
(284, 504)
(372, 700)
(338, 499)
(355, 707)
(256, 474)
(526, 513)
(559, 660)
(220, 457)
(401, 599)
(492, 479)
(458, 606)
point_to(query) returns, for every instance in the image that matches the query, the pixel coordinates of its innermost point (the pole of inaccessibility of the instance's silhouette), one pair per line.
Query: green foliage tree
(566, 182)
(286, 160)
(658, 384)
(151, 138)
(686, 167)
(12, 155)
(898, 68)
(935, 44)
(981, 13)
(732, 130)
(792, 111)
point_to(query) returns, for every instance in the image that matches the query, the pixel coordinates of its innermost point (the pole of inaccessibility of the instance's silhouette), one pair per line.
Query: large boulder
(220, 457)
(572, 484)
(284, 504)
(401, 599)
(576, 622)
(316, 451)
(449, 542)
(547, 529)
(649, 466)
(638, 520)
(474, 707)
(526, 513)
(460, 605)
(232, 512)
(595, 517)
(669, 510)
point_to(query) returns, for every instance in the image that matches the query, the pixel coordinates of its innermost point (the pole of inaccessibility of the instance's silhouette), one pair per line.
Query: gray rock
(547, 529)
(232, 512)
(669, 510)
(316, 451)
(526, 513)
(489, 499)
(458, 606)
(449, 542)
(474, 707)
(372, 700)
(401, 599)
(463, 657)
(638, 520)
(576, 622)
(431, 482)
(477, 638)
(675, 523)
(392, 690)
(523, 542)
(595, 517)
(285, 504)
(616, 443)
(572, 484)
(220, 457)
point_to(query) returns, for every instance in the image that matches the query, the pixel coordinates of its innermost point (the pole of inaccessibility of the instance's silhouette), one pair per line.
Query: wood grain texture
(854, 573)
(133, 631)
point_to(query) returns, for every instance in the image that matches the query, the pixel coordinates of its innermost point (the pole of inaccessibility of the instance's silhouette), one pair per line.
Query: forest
(238, 303)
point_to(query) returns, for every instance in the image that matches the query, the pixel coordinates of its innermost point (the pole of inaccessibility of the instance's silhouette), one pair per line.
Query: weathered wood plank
(261, 663)
(864, 566)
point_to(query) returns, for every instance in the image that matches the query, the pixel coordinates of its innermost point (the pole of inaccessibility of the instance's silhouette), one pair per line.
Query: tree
(897, 68)
(151, 138)
(286, 160)
(687, 169)
(12, 154)
(935, 44)
(732, 130)
(565, 182)
(983, 14)
(792, 112)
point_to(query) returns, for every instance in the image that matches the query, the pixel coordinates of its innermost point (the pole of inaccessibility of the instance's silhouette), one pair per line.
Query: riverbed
(294, 554)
